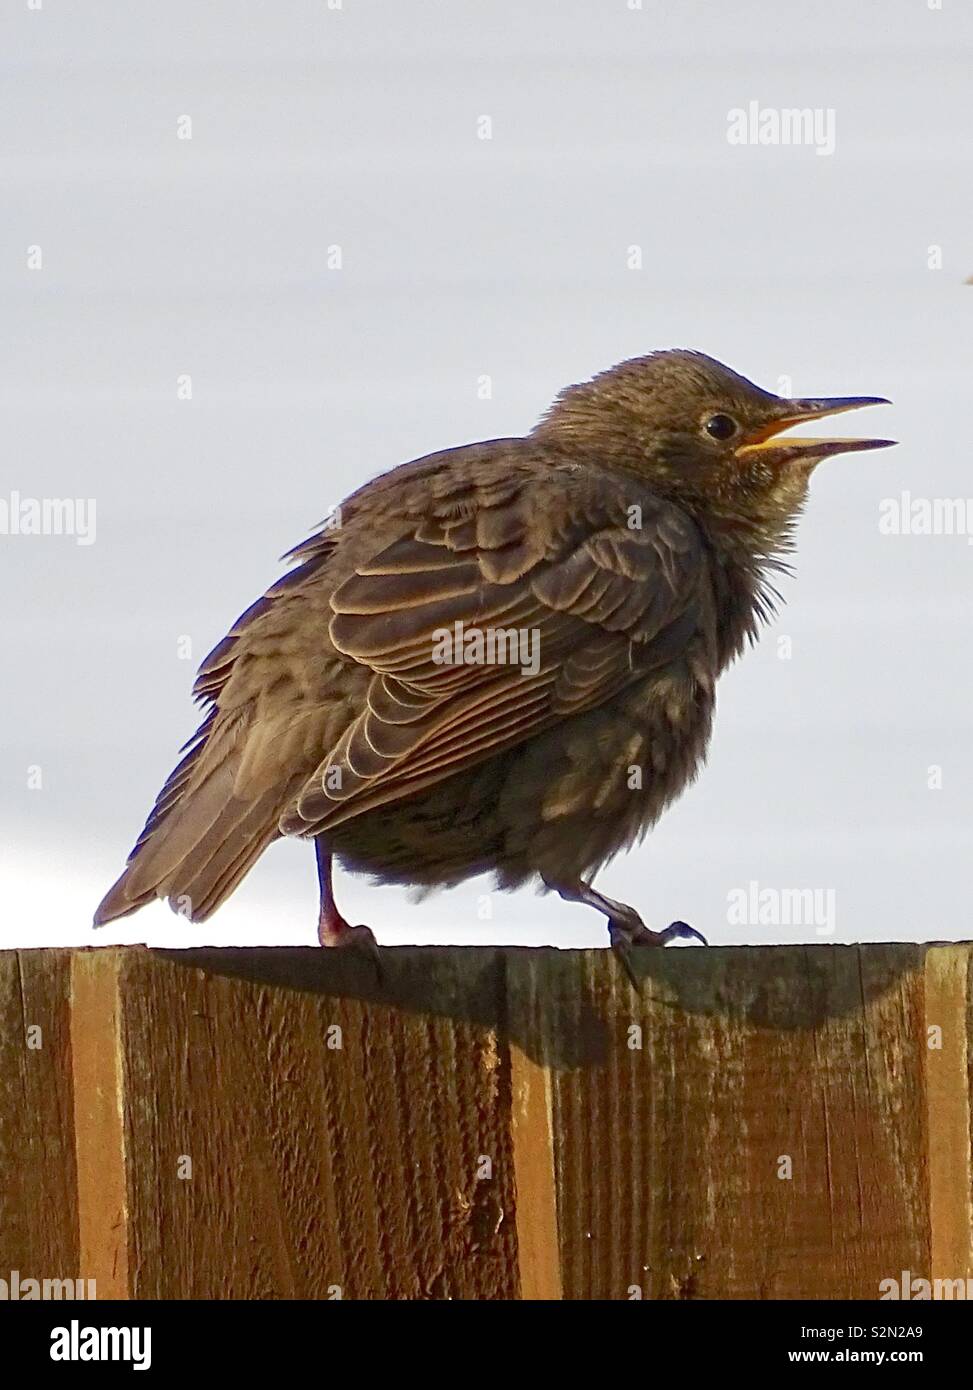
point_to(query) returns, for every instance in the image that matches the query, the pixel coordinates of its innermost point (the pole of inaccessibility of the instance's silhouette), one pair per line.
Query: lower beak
(766, 444)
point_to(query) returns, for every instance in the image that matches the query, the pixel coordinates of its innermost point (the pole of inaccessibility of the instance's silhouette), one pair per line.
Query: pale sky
(841, 760)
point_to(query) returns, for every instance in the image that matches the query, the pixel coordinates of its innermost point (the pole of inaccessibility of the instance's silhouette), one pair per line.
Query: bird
(500, 657)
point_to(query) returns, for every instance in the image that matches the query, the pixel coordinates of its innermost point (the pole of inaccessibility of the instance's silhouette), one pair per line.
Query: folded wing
(487, 623)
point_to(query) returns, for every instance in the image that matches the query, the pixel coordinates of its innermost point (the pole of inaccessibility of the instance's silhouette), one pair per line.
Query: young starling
(500, 657)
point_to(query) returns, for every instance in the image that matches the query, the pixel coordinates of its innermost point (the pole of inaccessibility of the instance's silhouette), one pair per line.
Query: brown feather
(328, 711)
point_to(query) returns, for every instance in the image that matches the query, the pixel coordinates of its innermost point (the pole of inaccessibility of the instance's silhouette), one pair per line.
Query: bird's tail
(200, 839)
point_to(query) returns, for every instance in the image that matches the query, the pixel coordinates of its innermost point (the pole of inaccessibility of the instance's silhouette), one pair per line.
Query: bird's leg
(624, 923)
(625, 926)
(333, 930)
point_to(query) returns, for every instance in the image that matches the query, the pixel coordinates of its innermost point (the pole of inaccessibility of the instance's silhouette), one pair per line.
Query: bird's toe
(681, 931)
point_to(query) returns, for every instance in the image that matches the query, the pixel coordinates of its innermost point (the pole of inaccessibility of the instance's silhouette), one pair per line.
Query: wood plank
(377, 1168)
(944, 1050)
(674, 1149)
(99, 1131)
(481, 1123)
(38, 1227)
(532, 1130)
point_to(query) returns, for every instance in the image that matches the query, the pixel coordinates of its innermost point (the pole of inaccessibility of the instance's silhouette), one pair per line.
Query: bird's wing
(598, 578)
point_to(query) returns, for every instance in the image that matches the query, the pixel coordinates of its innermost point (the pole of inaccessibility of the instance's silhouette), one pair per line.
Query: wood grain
(754, 1128)
(483, 1123)
(532, 1133)
(379, 1168)
(38, 1227)
(945, 1053)
(99, 1124)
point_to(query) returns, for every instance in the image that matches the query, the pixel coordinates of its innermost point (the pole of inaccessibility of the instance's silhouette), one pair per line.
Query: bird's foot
(624, 933)
(628, 933)
(331, 933)
(335, 931)
(644, 936)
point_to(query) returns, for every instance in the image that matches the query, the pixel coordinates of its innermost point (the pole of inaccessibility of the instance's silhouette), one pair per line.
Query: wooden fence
(483, 1123)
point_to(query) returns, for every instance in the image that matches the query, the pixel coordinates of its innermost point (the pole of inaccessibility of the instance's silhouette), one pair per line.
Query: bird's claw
(621, 948)
(625, 937)
(681, 931)
(360, 938)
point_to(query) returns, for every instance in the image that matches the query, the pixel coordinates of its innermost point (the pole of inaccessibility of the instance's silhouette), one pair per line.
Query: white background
(462, 257)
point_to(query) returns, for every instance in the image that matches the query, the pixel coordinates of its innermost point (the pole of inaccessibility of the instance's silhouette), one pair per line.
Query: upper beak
(763, 442)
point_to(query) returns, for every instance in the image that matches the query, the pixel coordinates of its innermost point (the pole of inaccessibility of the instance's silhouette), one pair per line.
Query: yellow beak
(765, 442)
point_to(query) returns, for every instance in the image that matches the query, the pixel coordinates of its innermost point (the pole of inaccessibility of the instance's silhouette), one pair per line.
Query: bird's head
(705, 437)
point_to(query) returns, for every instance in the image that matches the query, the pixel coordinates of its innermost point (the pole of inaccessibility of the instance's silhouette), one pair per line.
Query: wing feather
(551, 574)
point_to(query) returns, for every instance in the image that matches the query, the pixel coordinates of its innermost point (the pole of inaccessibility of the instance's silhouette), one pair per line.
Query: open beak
(765, 442)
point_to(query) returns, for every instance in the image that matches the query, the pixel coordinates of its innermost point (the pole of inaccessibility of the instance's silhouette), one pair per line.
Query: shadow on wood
(485, 1123)
(788, 987)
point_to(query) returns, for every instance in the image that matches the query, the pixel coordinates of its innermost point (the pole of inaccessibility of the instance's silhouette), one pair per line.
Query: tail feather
(207, 876)
(198, 843)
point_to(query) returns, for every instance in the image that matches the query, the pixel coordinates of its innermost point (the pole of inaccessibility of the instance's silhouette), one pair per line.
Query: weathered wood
(947, 1005)
(100, 1102)
(756, 1123)
(38, 1179)
(321, 1160)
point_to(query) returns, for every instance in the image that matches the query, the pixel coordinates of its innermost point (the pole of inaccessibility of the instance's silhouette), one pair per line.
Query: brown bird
(500, 657)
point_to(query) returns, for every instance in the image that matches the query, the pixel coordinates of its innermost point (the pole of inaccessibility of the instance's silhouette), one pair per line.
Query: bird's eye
(721, 426)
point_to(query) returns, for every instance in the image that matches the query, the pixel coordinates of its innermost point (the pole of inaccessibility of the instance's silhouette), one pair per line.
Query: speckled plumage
(636, 547)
